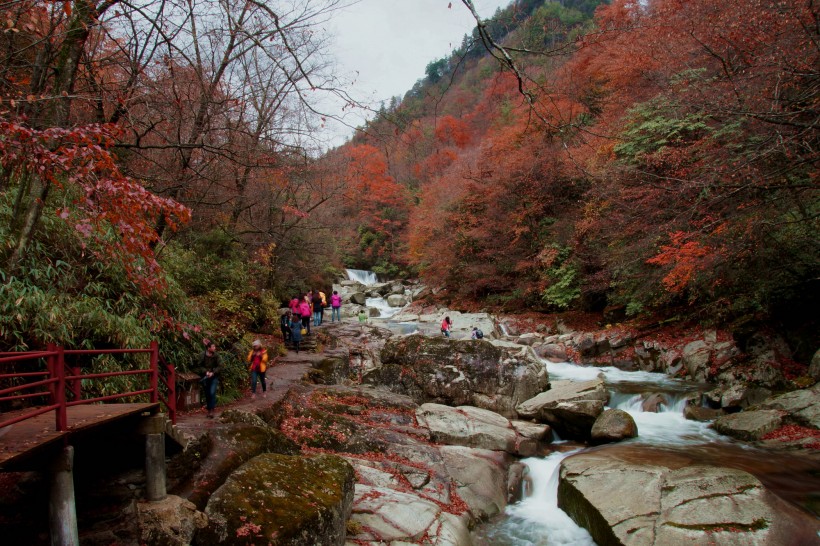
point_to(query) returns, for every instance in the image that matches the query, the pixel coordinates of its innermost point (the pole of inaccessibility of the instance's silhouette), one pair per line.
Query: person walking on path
(209, 367)
(305, 312)
(446, 326)
(294, 305)
(295, 331)
(284, 325)
(318, 309)
(258, 360)
(335, 307)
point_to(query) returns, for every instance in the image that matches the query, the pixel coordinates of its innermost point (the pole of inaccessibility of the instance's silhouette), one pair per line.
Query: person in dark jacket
(296, 332)
(209, 367)
(318, 308)
(284, 325)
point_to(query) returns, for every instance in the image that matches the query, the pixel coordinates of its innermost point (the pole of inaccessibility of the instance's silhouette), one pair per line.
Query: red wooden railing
(58, 378)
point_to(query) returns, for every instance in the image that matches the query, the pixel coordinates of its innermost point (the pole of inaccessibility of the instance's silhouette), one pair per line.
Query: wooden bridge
(48, 398)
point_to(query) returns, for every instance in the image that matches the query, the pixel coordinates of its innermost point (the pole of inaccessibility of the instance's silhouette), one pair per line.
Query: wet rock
(699, 413)
(554, 352)
(569, 407)
(741, 396)
(622, 502)
(749, 425)
(613, 425)
(653, 402)
(359, 298)
(277, 499)
(480, 476)
(803, 406)
(396, 300)
(396, 288)
(459, 373)
(475, 427)
(169, 522)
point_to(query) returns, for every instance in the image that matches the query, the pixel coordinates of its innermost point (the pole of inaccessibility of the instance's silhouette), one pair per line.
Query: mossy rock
(282, 500)
(230, 447)
(330, 370)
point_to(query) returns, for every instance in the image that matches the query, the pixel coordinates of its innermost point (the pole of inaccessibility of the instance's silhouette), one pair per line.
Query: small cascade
(537, 520)
(361, 276)
(385, 311)
(667, 426)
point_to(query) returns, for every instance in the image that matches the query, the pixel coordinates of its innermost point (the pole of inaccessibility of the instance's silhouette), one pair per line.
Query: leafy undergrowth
(796, 433)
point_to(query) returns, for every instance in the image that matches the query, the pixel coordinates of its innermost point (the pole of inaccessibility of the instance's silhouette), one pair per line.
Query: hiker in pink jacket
(305, 312)
(335, 307)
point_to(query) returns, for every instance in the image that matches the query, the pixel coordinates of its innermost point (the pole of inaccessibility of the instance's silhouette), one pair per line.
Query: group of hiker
(303, 311)
(296, 321)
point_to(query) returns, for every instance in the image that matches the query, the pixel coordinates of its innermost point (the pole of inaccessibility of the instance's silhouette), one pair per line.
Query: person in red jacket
(446, 326)
(258, 365)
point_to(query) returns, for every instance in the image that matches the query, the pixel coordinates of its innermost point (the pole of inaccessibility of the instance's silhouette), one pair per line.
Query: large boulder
(277, 499)
(814, 366)
(475, 427)
(627, 503)
(382, 514)
(803, 406)
(459, 373)
(613, 425)
(749, 425)
(396, 300)
(480, 476)
(219, 453)
(569, 407)
(171, 521)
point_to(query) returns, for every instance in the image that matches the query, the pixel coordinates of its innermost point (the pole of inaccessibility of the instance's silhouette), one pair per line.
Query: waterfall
(537, 520)
(364, 277)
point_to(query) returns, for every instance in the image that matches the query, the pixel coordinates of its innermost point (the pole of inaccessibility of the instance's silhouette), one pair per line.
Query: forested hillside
(656, 157)
(161, 174)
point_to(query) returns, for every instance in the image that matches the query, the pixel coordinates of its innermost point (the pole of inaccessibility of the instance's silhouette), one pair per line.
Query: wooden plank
(32, 436)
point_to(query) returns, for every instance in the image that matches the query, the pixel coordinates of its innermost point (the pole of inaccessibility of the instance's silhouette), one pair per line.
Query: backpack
(478, 333)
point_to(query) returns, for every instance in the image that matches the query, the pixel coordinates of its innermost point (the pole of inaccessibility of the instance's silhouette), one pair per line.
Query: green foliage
(563, 279)
(212, 261)
(654, 125)
(435, 70)
(63, 293)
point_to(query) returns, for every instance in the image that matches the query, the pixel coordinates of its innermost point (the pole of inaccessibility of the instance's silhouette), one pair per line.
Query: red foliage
(792, 433)
(81, 160)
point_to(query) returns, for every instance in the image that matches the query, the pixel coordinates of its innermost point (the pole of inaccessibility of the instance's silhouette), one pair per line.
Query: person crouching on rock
(446, 326)
(258, 360)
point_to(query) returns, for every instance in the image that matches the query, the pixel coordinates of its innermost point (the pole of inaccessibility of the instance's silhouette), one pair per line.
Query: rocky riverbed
(396, 439)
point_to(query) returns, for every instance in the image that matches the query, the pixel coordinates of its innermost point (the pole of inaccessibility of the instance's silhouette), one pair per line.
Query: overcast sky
(386, 45)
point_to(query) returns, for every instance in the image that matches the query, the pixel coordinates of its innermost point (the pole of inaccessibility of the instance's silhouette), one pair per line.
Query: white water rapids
(368, 278)
(537, 520)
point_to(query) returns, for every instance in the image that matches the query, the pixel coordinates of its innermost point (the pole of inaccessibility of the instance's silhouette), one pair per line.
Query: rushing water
(665, 435)
(366, 278)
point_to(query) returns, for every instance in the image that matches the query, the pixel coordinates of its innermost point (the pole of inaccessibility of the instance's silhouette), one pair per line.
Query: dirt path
(289, 370)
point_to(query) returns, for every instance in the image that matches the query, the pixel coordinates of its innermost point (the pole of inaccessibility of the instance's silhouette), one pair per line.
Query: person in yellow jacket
(258, 364)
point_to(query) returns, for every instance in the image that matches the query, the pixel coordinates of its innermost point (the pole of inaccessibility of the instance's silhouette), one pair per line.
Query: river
(537, 521)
